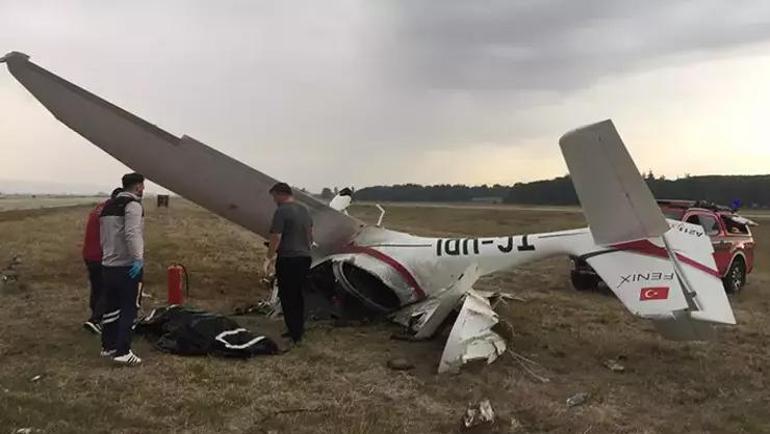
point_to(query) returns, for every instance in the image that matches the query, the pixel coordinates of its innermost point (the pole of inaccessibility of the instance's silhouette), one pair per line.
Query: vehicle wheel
(736, 276)
(584, 282)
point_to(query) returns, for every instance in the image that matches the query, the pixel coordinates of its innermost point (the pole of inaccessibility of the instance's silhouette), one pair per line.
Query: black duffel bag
(193, 332)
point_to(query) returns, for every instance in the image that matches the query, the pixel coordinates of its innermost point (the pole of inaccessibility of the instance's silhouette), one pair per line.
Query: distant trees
(649, 176)
(431, 193)
(752, 190)
(557, 191)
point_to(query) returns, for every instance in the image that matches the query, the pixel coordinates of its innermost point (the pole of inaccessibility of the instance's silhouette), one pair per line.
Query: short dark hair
(116, 192)
(131, 179)
(281, 188)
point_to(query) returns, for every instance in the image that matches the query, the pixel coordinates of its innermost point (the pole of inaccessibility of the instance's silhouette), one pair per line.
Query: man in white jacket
(122, 239)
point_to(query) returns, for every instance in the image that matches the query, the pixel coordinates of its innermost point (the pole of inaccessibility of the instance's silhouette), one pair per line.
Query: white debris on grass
(578, 399)
(479, 414)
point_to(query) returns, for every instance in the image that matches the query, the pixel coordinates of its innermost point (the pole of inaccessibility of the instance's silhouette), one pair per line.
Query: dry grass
(337, 382)
(19, 202)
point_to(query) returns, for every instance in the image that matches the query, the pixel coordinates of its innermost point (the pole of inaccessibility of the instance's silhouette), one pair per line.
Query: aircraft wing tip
(578, 131)
(14, 55)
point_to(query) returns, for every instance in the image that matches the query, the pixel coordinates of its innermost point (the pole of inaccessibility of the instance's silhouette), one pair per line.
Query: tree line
(752, 191)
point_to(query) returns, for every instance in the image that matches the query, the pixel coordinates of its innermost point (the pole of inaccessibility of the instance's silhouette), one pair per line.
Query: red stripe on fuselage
(400, 269)
(646, 247)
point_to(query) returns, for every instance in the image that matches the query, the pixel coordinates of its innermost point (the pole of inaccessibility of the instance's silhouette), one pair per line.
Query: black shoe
(93, 327)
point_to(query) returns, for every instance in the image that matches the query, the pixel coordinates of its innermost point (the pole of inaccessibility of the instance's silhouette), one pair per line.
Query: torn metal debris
(578, 399)
(614, 366)
(479, 414)
(472, 337)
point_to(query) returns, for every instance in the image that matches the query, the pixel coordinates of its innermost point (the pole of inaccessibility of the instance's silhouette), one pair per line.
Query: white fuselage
(418, 267)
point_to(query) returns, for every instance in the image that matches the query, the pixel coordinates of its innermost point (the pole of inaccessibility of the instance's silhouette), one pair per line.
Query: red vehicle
(730, 235)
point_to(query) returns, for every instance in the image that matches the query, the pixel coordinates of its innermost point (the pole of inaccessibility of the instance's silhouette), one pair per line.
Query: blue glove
(136, 268)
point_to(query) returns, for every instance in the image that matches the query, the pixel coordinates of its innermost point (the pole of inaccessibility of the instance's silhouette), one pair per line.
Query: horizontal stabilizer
(671, 280)
(647, 285)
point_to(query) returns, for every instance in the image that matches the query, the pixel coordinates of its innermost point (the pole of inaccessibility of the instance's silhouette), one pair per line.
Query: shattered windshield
(736, 225)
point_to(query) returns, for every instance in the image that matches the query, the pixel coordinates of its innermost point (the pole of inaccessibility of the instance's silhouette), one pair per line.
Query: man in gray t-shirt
(291, 236)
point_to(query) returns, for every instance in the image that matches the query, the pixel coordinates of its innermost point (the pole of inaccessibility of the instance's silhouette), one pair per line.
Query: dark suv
(730, 235)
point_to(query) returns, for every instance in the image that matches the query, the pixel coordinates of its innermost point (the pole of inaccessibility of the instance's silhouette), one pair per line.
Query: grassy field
(337, 382)
(21, 202)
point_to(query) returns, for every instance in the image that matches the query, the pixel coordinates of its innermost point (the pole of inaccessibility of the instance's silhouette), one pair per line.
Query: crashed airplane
(417, 281)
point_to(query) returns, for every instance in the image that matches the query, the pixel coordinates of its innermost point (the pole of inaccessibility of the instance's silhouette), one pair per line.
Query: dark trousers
(96, 300)
(122, 296)
(292, 274)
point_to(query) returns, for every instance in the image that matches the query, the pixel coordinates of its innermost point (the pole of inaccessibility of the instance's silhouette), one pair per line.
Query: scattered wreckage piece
(193, 332)
(516, 425)
(472, 337)
(614, 366)
(578, 399)
(479, 414)
(424, 318)
(9, 276)
(8, 281)
(499, 296)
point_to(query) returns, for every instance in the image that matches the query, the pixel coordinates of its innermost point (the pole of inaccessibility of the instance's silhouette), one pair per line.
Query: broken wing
(184, 165)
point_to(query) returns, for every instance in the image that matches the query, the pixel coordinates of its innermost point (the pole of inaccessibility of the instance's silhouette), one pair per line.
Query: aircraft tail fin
(616, 202)
(661, 270)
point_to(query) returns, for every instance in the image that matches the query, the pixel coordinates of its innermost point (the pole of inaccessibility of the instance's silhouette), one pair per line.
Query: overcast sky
(371, 92)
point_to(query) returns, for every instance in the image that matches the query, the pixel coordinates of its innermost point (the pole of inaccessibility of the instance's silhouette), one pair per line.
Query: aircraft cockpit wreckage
(417, 281)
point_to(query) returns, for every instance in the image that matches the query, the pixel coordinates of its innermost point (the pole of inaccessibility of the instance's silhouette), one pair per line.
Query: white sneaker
(93, 327)
(107, 353)
(128, 359)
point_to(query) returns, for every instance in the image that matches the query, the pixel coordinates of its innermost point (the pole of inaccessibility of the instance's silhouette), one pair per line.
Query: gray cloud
(334, 88)
(560, 44)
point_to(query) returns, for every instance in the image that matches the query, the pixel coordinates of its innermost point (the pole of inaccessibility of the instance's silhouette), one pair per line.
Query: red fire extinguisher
(176, 274)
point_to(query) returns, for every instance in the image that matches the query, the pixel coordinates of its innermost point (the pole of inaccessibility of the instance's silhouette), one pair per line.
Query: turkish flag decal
(654, 293)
